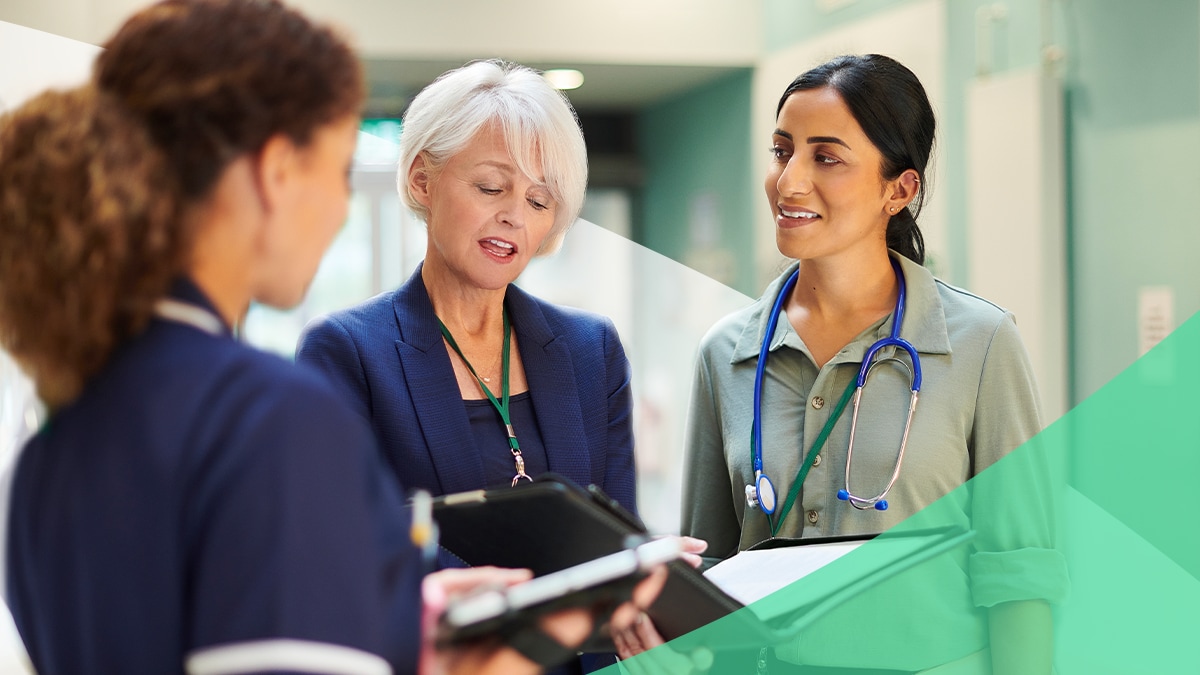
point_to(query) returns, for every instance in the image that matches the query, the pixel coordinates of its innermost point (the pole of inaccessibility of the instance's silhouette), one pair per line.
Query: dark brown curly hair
(95, 183)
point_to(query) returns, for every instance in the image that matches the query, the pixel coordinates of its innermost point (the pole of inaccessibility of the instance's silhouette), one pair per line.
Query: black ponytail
(904, 236)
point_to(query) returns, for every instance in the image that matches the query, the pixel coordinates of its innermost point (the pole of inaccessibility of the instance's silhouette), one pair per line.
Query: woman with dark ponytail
(192, 504)
(847, 180)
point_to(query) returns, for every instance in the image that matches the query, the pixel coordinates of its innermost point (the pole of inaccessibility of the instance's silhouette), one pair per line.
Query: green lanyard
(502, 405)
(777, 523)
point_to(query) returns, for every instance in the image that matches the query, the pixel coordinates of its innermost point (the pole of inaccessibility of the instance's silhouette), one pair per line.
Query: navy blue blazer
(389, 356)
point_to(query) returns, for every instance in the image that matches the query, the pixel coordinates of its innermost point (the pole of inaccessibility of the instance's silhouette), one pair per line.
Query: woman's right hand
(569, 626)
(438, 588)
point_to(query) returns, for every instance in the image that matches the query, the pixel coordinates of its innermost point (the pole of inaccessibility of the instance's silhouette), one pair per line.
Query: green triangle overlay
(1113, 483)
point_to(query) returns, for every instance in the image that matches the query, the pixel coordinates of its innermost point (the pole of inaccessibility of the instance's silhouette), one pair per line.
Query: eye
(539, 199)
(488, 190)
(822, 158)
(779, 152)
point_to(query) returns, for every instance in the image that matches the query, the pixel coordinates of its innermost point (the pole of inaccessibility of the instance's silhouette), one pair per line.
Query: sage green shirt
(977, 403)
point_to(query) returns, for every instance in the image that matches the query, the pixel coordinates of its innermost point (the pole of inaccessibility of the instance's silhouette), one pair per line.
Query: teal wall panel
(696, 152)
(1134, 126)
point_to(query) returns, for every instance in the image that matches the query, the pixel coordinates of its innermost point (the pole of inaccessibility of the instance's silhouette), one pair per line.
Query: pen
(424, 531)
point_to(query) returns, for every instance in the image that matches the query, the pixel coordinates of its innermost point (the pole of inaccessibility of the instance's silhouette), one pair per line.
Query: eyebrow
(503, 166)
(815, 139)
(511, 169)
(828, 139)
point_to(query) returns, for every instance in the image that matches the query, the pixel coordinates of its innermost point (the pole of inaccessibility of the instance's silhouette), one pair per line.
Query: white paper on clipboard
(753, 575)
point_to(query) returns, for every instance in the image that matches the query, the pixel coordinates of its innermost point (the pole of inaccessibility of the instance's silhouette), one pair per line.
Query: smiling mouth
(798, 215)
(498, 247)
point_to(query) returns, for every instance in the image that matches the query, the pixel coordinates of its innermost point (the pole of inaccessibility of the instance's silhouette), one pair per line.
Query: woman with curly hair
(194, 504)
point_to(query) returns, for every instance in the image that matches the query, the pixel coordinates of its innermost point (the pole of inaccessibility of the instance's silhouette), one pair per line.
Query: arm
(327, 346)
(1022, 637)
(620, 478)
(707, 512)
(1016, 570)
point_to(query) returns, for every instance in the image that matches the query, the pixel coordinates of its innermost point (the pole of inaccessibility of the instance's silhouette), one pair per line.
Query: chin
(282, 298)
(494, 279)
(790, 248)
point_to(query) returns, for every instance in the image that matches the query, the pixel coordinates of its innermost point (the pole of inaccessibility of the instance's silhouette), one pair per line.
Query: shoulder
(562, 320)
(738, 335)
(967, 312)
(977, 326)
(721, 340)
(276, 389)
(277, 424)
(186, 390)
(968, 306)
(369, 317)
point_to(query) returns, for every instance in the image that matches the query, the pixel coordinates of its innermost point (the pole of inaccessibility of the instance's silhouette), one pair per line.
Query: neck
(844, 287)
(222, 271)
(466, 309)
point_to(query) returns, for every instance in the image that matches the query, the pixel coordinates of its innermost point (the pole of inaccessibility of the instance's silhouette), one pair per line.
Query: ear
(903, 189)
(420, 181)
(275, 172)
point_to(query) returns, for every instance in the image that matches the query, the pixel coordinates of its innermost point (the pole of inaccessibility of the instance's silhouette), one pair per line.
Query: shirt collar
(924, 319)
(185, 290)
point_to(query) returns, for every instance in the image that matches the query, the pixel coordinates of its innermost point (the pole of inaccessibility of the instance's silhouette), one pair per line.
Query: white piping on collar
(189, 314)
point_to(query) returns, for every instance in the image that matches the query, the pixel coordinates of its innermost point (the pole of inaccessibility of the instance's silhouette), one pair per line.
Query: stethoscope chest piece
(761, 494)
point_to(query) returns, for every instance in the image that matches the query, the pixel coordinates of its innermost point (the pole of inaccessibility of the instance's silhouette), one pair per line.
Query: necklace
(501, 405)
(490, 370)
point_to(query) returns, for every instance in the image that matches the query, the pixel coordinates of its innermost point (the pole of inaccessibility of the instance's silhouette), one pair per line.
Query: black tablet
(604, 582)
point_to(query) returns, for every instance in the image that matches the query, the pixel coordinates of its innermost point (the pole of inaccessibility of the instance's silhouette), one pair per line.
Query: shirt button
(817, 460)
(818, 402)
(812, 516)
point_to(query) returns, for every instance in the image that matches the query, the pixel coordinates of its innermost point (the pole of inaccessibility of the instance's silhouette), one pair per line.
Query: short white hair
(533, 116)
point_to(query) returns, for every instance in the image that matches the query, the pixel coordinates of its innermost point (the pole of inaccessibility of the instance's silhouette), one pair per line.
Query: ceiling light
(564, 78)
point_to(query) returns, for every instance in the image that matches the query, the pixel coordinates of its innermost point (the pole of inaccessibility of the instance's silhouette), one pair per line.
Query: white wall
(31, 61)
(668, 32)
(1016, 223)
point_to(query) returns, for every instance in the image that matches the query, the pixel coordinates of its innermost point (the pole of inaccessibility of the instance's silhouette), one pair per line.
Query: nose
(795, 178)
(512, 210)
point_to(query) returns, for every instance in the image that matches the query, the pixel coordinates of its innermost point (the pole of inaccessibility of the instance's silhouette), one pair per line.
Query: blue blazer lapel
(552, 387)
(434, 391)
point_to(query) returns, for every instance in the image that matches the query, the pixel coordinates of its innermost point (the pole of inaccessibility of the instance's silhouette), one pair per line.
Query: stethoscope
(762, 492)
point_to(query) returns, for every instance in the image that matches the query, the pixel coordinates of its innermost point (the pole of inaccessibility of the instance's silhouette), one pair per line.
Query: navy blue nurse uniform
(203, 506)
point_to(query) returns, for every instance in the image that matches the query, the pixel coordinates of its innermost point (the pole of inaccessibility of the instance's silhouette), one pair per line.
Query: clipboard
(787, 613)
(601, 583)
(551, 524)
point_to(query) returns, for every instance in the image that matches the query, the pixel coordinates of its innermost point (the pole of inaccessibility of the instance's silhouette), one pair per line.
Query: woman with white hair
(469, 381)
(492, 158)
